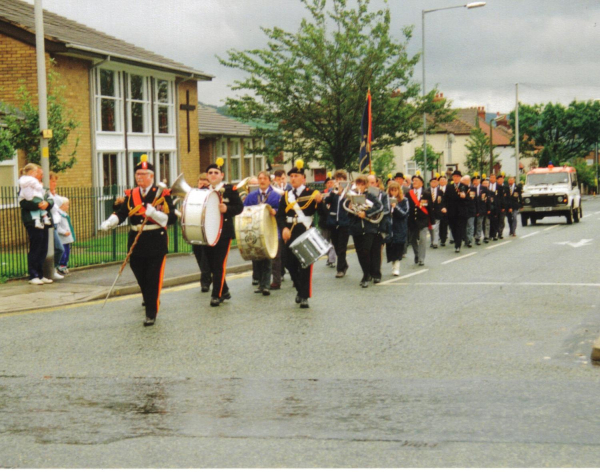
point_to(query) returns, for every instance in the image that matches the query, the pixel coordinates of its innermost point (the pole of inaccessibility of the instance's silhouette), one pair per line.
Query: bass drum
(309, 247)
(256, 233)
(201, 219)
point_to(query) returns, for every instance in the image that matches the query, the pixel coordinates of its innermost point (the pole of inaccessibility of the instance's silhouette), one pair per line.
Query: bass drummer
(264, 194)
(231, 205)
(294, 217)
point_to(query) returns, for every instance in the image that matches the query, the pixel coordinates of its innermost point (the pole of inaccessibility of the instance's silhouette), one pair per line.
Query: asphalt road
(478, 359)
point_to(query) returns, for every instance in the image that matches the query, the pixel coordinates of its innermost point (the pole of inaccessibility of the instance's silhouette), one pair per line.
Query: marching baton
(161, 186)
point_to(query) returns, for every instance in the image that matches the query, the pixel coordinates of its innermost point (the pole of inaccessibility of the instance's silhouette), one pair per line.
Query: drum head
(270, 236)
(213, 219)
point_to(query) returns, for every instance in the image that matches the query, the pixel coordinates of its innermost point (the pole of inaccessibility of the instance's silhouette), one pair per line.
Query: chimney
(502, 122)
(439, 97)
(481, 112)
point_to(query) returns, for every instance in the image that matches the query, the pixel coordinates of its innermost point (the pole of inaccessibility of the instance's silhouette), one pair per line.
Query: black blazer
(420, 217)
(235, 206)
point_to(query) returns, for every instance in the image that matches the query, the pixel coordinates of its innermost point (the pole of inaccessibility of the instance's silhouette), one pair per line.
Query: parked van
(551, 191)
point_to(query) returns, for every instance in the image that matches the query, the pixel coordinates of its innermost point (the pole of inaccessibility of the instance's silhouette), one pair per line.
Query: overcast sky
(475, 57)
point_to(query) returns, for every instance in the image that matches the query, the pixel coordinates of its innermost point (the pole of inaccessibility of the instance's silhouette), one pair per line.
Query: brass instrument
(359, 203)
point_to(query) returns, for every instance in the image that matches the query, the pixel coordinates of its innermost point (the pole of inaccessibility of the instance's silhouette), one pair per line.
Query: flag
(364, 160)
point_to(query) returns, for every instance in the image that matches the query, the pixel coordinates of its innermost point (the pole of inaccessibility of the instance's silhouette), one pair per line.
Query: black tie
(262, 197)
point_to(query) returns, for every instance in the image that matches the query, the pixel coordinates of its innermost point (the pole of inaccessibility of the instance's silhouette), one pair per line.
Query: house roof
(465, 120)
(210, 122)
(69, 37)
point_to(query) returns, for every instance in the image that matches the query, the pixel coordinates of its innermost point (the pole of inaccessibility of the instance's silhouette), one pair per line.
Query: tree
(478, 151)
(24, 125)
(553, 132)
(7, 151)
(313, 84)
(433, 158)
(383, 162)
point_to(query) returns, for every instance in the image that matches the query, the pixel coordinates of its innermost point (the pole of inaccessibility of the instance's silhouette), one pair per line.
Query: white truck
(551, 191)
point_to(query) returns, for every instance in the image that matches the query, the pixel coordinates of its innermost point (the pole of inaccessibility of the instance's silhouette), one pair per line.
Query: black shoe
(143, 304)
(469, 245)
(226, 296)
(416, 260)
(266, 292)
(215, 301)
(376, 280)
(421, 263)
(486, 241)
(259, 290)
(364, 283)
(434, 246)
(298, 299)
(451, 241)
(478, 242)
(501, 237)
(443, 244)
(495, 239)
(255, 282)
(149, 321)
(204, 288)
(304, 303)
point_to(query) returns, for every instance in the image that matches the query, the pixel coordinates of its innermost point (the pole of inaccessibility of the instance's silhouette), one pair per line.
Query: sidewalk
(93, 283)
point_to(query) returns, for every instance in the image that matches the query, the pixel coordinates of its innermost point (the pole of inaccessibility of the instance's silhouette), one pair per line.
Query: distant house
(451, 140)
(128, 101)
(222, 136)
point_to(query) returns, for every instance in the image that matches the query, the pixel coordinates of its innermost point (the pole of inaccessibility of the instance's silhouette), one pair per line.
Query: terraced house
(128, 101)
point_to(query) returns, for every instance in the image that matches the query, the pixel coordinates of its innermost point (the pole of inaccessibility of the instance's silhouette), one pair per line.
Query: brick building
(128, 101)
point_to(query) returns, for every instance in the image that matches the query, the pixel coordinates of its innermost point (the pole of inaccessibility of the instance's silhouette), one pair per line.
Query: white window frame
(117, 98)
(170, 104)
(145, 101)
(236, 156)
(14, 162)
(172, 166)
(121, 171)
(411, 168)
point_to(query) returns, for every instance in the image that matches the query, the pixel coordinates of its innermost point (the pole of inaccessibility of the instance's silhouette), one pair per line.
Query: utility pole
(517, 178)
(491, 147)
(43, 112)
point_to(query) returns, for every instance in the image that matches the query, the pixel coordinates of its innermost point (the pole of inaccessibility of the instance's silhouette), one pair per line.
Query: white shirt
(145, 190)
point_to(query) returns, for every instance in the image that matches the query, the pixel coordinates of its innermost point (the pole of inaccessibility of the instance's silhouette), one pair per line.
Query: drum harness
(292, 203)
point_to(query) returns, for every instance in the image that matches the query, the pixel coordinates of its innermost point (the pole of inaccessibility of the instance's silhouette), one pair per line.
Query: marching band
(274, 224)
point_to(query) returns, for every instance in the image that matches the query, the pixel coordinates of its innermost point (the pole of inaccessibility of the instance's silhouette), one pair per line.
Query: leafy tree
(24, 126)
(313, 84)
(433, 158)
(585, 174)
(478, 151)
(7, 151)
(553, 132)
(383, 162)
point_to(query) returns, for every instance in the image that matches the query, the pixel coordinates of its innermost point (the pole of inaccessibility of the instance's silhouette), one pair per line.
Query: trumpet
(355, 203)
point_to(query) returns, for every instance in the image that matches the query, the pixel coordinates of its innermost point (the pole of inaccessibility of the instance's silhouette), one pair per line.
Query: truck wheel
(523, 220)
(533, 220)
(576, 215)
(569, 215)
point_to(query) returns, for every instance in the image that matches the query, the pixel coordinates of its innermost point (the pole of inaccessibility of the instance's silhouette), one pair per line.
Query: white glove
(158, 216)
(110, 223)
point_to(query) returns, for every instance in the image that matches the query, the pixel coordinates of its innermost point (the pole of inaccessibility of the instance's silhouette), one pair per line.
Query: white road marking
(533, 284)
(530, 234)
(551, 227)
(597, 213)
(459, 258)
(585, 216)
(498, 245)
(583, 242)
(396, 279)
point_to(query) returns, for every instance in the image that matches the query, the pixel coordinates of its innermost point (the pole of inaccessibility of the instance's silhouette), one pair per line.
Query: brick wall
(189, 161)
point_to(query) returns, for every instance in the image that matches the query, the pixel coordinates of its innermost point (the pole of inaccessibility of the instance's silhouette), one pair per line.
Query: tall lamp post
(423, 13)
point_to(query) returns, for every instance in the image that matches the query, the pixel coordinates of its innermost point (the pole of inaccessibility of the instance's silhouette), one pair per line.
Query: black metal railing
(89, 206)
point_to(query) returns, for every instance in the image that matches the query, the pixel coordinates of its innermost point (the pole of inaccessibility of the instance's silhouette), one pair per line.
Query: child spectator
(66, 235)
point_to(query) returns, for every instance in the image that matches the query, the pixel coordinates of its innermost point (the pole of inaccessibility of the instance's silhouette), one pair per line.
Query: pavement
(93, 283)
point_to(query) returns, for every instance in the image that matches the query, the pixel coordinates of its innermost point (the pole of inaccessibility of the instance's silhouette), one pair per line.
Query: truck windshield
(549, 178)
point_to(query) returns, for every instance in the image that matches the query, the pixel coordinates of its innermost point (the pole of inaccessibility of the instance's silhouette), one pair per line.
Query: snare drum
(309, 247)
(256, 233)
(201, 219)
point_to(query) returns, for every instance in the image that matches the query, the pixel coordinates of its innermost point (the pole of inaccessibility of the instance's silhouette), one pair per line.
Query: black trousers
(261, 271)
(38, 249)
(217, 261)
(376, 250)
(363, 244)
(148, 272)
(277, 267)
(302, 278)
(202, 260)
(494, 225)
(339, 238)
(458, 226)
(443, 230)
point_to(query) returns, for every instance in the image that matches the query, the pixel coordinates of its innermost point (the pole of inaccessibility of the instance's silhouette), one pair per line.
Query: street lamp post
(423, 13)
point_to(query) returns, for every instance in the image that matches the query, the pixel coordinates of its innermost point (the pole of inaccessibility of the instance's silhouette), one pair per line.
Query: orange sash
(417, 202)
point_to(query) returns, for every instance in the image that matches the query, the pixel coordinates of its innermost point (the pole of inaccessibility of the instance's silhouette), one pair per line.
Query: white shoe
(57, 276)
(36, 281)
(47, 281)
(396, 268)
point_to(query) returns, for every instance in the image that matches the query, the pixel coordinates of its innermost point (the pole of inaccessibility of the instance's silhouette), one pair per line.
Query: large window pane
(108, 115)
(163, 120)
(258, 165)
(137, 87)
(248, 166)
(235, 169)
(165, 167)
(109, 169)
(107, 83)
(163, 91)
(137, 117)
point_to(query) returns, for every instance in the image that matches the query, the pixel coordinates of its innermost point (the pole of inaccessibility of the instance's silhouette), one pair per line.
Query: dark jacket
(400, 222)
(152, 243)
(471, 202)
(481, 200)
(496, 200)
(457, 206)
(513, 200)
(438, 202)
(338, 216)
(359, 225)
(28, 206)
(308, 206)
(235, 206)
(420, 215)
